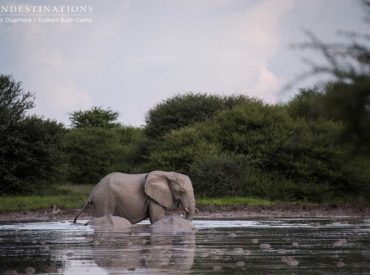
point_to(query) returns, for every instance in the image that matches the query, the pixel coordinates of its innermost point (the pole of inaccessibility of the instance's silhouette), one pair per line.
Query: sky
(136, 53)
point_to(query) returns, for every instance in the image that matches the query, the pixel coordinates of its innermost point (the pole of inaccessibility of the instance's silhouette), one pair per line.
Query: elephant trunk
(190, 215)
(190, 211)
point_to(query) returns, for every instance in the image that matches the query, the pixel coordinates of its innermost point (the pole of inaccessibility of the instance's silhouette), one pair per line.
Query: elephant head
(171, 189)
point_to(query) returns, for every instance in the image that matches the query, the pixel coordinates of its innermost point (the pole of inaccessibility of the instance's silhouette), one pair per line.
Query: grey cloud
(136, 53)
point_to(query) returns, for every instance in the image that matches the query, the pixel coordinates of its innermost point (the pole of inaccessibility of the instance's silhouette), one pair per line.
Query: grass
(68, 196)
(64, 196)
(234, 201)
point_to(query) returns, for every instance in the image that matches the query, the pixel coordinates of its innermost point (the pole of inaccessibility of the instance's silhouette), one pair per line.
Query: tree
(14, 102)
(347, 95)
(94, 152)
(96, 117)
(183, 110)
(350, 103)
(307, 104)
(29, 146)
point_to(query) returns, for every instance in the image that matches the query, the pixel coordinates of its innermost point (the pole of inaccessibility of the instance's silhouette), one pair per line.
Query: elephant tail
(89, 202)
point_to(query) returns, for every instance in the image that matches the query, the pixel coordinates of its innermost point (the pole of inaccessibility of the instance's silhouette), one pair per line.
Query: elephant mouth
(177, 203)
(189, 212)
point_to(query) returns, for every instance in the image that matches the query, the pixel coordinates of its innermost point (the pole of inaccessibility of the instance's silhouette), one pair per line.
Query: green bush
(95, 152)
(134, 145)
(183, 110)
(231, 175)
(30, 147)
(220, 175)
(350, 104)
(95, 117)
(260, 150)
(308, 104)
(179, 149)
(295, 151)
(253, 129)
(230, 146)
(31, 156)
(346, 96)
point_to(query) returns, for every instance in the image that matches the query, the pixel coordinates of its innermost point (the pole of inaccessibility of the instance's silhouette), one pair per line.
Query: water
(284, 246)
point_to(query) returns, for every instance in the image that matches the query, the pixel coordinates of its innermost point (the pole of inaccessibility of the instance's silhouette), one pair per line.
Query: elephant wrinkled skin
(136, 197)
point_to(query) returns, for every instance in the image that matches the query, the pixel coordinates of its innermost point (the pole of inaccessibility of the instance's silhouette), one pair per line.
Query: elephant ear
(157, 188)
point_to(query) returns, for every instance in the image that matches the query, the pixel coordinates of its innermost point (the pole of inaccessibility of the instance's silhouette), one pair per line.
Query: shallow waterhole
(274, 246)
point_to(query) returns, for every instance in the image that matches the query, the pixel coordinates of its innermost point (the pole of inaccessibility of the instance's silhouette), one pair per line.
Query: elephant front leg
(156, 211)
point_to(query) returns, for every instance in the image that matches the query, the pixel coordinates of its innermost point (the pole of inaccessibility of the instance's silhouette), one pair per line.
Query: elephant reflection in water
(169, 244)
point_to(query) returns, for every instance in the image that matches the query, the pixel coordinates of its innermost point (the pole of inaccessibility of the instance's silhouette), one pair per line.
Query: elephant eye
(182, 190)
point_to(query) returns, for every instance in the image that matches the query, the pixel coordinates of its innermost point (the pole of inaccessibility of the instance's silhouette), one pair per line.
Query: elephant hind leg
(102, 208)
(156, 211)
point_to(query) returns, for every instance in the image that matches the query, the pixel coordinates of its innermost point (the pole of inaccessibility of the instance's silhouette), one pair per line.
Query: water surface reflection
(285, 246)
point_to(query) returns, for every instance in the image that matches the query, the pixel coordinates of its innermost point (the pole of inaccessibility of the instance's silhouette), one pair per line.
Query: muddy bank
(214, 212)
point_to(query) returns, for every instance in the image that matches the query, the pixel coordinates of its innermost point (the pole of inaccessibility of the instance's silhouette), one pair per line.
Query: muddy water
(286, 246)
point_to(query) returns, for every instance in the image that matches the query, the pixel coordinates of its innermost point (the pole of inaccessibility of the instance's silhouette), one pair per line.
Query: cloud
(261, 25)
(41, 62)
(62, 100)
(140, 52)
(267, 86)
(253, 40)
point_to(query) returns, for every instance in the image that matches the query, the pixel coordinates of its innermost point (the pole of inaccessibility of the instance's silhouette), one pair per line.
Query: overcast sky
(136, 53)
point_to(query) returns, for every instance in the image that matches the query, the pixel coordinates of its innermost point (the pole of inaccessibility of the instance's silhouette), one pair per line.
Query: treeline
(229, 146)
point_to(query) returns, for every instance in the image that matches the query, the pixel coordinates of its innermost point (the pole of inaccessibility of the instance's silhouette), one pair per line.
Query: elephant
(136, 197)
(110, 223)
(166, 246)
(172, 225)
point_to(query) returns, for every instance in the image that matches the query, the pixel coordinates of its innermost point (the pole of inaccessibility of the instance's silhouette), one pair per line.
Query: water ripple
(275, 246)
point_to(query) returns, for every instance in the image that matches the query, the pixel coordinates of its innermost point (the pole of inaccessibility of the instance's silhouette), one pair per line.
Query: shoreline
(212, 212)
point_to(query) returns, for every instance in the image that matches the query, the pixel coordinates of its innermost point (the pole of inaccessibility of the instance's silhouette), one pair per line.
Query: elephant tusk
(186, 210)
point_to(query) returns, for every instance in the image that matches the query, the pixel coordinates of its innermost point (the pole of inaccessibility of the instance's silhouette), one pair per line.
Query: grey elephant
(172, 225)
(145, 251)
(110, 223)
(140, 196)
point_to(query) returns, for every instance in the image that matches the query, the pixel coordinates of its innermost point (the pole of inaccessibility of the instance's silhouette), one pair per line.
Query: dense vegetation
(182, 110)
(30, 146)
(315, 147)
(266, 151)
(291, 151)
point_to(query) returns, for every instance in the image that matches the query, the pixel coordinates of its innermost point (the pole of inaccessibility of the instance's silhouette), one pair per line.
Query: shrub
(232, 175)
(183, 110)
(179, 149)
(350, 104)
(219, 175)
(298, 153)
(95, 152)
(96, 117)
(256, 149)
(30, 156)
(253, 129)
(308, 104)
